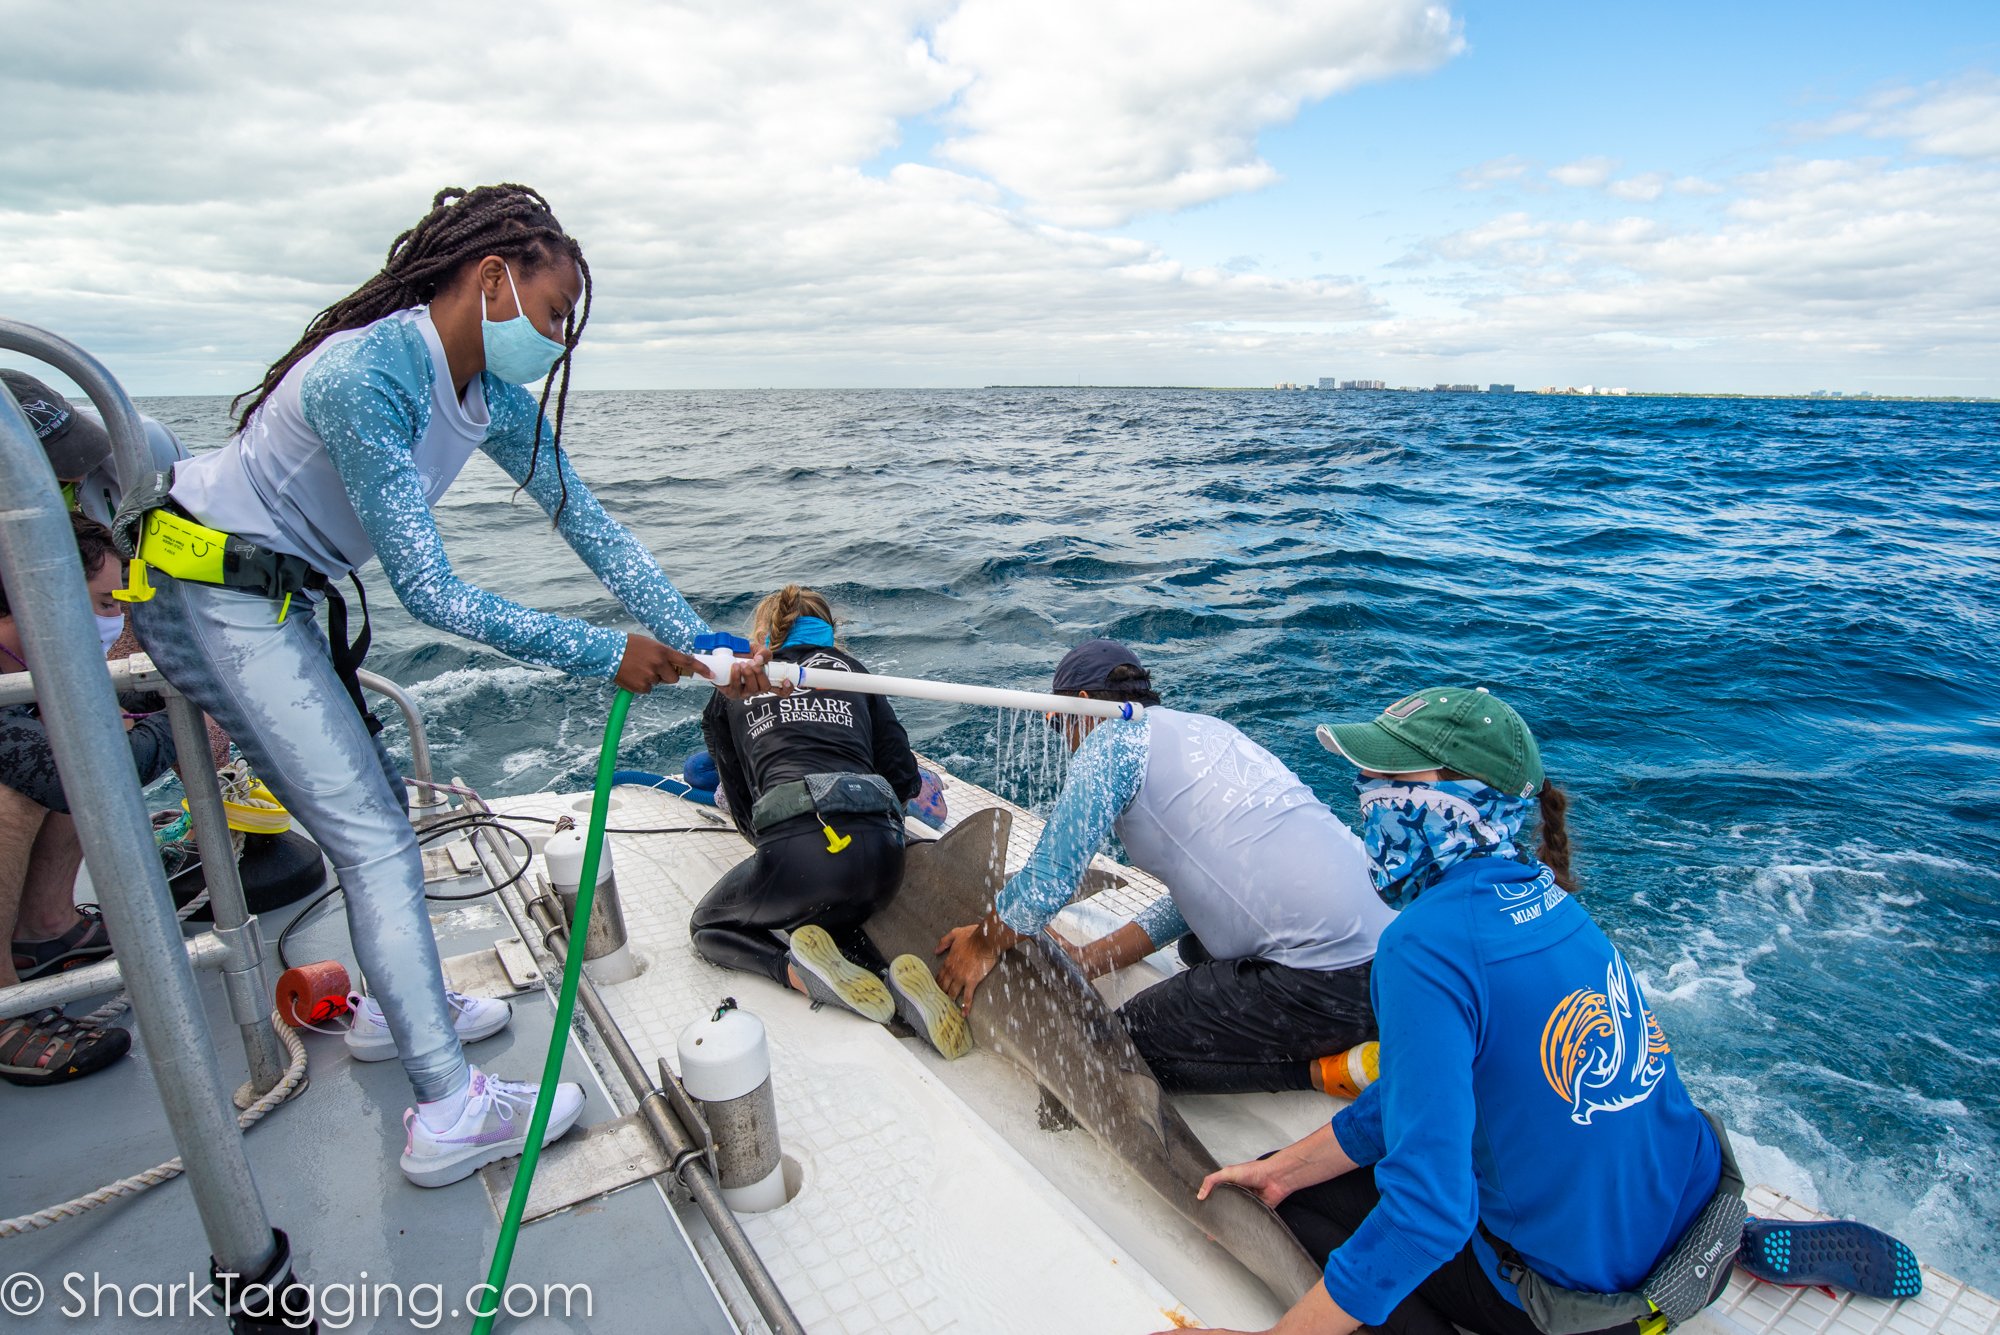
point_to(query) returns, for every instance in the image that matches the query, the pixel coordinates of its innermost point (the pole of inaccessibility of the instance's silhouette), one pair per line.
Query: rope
(131, 1186)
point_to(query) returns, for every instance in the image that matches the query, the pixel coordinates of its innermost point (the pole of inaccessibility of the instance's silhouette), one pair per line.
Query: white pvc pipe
(869, 684)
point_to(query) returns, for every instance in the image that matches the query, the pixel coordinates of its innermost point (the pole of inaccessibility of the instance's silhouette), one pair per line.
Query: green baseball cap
(1463, 728)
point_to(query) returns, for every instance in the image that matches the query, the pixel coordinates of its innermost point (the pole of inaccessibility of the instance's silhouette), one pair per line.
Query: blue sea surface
(1759, 642)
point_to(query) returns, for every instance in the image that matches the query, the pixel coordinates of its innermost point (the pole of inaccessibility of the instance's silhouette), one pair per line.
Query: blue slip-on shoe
(1835, 1253)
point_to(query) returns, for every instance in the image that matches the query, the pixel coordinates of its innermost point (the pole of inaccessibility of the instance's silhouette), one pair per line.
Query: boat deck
(934, 1200)
(929, 1196)
(326, 1165)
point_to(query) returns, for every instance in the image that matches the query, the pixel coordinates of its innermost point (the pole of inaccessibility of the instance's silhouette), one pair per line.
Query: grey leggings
(273, 688)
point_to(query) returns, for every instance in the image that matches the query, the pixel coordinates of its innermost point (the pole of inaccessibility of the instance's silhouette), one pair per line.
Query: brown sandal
(84, 943)
(48, 1047)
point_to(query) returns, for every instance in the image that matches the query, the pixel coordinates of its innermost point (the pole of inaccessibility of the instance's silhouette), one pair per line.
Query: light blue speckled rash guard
(361, 438)
(1254, 864)
(1103, 779)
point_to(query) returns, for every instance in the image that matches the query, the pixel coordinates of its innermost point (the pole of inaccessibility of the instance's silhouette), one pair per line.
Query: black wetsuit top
(767, 740)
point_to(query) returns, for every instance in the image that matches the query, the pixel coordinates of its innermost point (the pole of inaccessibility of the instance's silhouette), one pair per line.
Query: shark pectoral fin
(1051, 1114)
(1096, 881)
(947, 882)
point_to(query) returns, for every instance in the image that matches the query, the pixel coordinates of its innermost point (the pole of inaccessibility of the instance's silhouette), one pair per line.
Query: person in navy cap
(1268, 893)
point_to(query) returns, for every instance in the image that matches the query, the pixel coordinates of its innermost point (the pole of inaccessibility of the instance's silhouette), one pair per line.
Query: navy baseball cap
(75, 443)
(1088, 667)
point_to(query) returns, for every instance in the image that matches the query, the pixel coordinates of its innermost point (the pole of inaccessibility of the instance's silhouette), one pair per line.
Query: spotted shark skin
(1037, 1009)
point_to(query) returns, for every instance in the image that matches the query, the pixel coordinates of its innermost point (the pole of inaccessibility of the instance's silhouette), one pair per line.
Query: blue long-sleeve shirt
(1524, 1084)
(1104, 778)
(347, 456)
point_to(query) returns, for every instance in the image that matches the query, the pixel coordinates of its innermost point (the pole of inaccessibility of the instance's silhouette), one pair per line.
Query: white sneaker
(369, 1039)
(494, 1126)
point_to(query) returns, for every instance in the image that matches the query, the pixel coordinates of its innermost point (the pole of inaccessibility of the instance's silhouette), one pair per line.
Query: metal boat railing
(51, 605)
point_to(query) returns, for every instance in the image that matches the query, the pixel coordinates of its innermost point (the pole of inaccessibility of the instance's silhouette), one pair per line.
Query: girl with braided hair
(341, 451)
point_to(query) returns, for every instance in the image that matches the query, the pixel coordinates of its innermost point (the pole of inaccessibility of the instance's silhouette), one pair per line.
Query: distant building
(1362, 384)
(1499, 389)
(1456, 389)
(1828, 394)
(1328, 382)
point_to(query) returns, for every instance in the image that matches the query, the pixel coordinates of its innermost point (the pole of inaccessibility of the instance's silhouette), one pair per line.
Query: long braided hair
(463, 226)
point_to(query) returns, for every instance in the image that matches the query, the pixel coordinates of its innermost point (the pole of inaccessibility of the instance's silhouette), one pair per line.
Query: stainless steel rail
(692, 1167)
(420, 742)
(207, 951)
(45, 587)
(136, 673)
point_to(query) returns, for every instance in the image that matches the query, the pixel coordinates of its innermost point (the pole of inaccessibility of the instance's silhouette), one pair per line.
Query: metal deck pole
(243, 974)
(46, 588)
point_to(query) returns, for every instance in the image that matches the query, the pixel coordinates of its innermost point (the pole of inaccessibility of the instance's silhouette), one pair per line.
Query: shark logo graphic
(1603, 1051)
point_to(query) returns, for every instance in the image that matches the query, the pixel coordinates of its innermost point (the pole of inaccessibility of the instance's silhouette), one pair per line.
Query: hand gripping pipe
(867, 683)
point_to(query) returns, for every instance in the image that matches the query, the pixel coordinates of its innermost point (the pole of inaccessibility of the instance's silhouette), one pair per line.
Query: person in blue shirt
(1268, 892)
(346, 444)
(1529, 1158)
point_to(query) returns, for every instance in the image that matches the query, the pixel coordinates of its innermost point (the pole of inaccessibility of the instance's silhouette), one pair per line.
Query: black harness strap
(349, 655)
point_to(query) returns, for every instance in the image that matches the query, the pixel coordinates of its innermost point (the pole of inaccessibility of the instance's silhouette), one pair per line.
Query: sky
(1768, 198)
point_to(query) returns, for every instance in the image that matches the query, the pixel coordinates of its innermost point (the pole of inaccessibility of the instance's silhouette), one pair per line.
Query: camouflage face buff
(1415, 832)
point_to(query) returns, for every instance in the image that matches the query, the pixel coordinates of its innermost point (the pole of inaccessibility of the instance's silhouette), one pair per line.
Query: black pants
(790, 881)
(1458, 1293)
(1231, 1025)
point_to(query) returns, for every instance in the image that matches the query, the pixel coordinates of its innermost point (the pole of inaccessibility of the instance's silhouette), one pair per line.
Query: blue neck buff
(1416, 832)
(811, 631)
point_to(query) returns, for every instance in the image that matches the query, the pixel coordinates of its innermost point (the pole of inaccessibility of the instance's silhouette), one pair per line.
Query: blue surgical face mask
(1415, 832)
(516, 351)
(109, 629)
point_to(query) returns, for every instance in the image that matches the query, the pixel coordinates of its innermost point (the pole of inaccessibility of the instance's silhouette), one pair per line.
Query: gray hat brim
(1371, 747)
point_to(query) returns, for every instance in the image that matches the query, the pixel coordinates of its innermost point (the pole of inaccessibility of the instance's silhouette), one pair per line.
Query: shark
(1038, 1010)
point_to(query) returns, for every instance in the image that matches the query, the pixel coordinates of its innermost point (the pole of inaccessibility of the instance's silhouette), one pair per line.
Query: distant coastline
(1807, 397)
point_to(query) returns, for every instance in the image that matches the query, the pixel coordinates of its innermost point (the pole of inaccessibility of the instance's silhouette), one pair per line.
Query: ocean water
(1759, 641)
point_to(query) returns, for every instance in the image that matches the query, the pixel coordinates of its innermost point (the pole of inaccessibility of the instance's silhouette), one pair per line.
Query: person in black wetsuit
(817, 781)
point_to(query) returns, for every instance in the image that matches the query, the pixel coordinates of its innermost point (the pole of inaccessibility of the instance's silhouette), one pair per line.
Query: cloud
(1645, 186)
(1824, 266)
(1495, 172)
(1586, 172)
(1957, 118)
(1146, 105)
(186, 187)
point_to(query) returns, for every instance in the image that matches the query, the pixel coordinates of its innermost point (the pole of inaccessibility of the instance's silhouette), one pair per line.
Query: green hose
(586, 892)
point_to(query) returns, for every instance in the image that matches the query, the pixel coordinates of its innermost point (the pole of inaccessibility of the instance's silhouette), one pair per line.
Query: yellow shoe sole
(926, 1009)
(830, 976)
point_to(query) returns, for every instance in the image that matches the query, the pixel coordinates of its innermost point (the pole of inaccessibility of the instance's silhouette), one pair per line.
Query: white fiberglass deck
(932, 1200)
